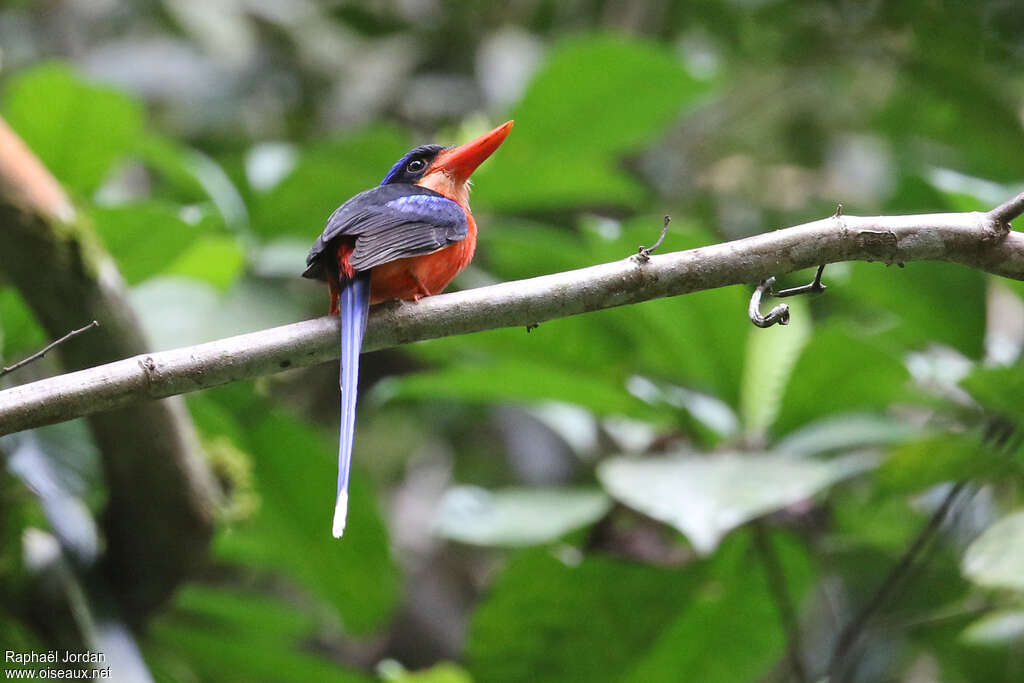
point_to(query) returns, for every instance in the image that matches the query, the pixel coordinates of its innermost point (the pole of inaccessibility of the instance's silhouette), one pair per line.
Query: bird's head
(447, 169)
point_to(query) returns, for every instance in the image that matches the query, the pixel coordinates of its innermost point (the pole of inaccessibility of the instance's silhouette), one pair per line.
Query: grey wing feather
(390, 222)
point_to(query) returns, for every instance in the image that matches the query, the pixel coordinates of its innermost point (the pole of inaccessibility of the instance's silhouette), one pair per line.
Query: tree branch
(1008, 210)
(977, 240)
(158, 517)
(46, 349)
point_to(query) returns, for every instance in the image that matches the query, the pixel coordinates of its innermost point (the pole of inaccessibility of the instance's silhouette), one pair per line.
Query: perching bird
(404, 239)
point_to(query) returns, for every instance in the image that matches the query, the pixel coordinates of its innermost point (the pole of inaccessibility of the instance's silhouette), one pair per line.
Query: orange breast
(419, 276)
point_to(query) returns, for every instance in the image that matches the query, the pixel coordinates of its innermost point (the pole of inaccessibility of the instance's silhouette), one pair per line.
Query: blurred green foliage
(206, 143)
(213, 631)
(579, 127)
(78, 129)
(358, 578)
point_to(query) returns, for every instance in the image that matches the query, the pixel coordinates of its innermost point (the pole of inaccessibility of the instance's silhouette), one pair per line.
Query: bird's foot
(421, 289)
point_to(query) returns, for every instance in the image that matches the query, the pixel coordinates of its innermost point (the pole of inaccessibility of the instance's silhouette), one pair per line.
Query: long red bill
(460, 162)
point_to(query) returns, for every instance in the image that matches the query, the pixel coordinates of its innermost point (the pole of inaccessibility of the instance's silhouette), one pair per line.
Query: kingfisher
(404, 239)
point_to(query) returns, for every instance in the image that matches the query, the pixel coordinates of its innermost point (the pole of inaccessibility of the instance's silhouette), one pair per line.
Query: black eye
(415, 166)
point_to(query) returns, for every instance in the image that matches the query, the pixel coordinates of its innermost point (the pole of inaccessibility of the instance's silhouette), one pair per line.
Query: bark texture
(977, 240)
(159, 516)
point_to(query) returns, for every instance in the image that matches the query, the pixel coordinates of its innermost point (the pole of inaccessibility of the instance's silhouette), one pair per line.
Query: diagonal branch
(853, 630)
(46, 349)
(977, 240)
(159, 513)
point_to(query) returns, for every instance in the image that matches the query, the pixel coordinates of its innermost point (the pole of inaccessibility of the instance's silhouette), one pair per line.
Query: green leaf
(356, 574)
(915, 193)
(145, 237)
(514, 249)
(295, 472)
(19, 637)
(326, 175)
(913, 305)
(872, 526)
(771, 356)
(1015, 286)
(20, 334)
(613, 344)
(219, 634)
(869, 377)
(236, 607)
(996, 558)
(940, 102)
(706, 497)
(602, 619)
(521, 380)
(708, 357)
(78, 129)
(190, 176)
(547, 621)
(173, 163)
(516, 517)
(587, 345)
(845, 433)
(595, 99)
(214, 259)
(444, 672)
(735, 613)
(999, 389)
(940, 458)
(687, 340)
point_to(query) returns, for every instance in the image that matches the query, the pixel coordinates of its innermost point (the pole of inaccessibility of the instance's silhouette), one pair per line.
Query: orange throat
(448, 185)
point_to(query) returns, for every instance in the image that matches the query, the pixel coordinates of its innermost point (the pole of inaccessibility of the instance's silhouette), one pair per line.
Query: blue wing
(388, 223)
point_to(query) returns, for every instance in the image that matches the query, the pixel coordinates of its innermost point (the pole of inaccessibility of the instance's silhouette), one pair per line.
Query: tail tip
(340, 514)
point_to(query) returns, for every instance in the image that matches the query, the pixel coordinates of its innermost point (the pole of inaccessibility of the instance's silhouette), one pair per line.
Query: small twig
(853, 630)
(813, 287)
(783, 602)
(998, 433)
(42, 352)
(1008, 210)
(779, 314)
(644, 253)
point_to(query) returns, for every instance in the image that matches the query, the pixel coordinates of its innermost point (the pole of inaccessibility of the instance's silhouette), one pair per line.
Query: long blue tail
(354, 302)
